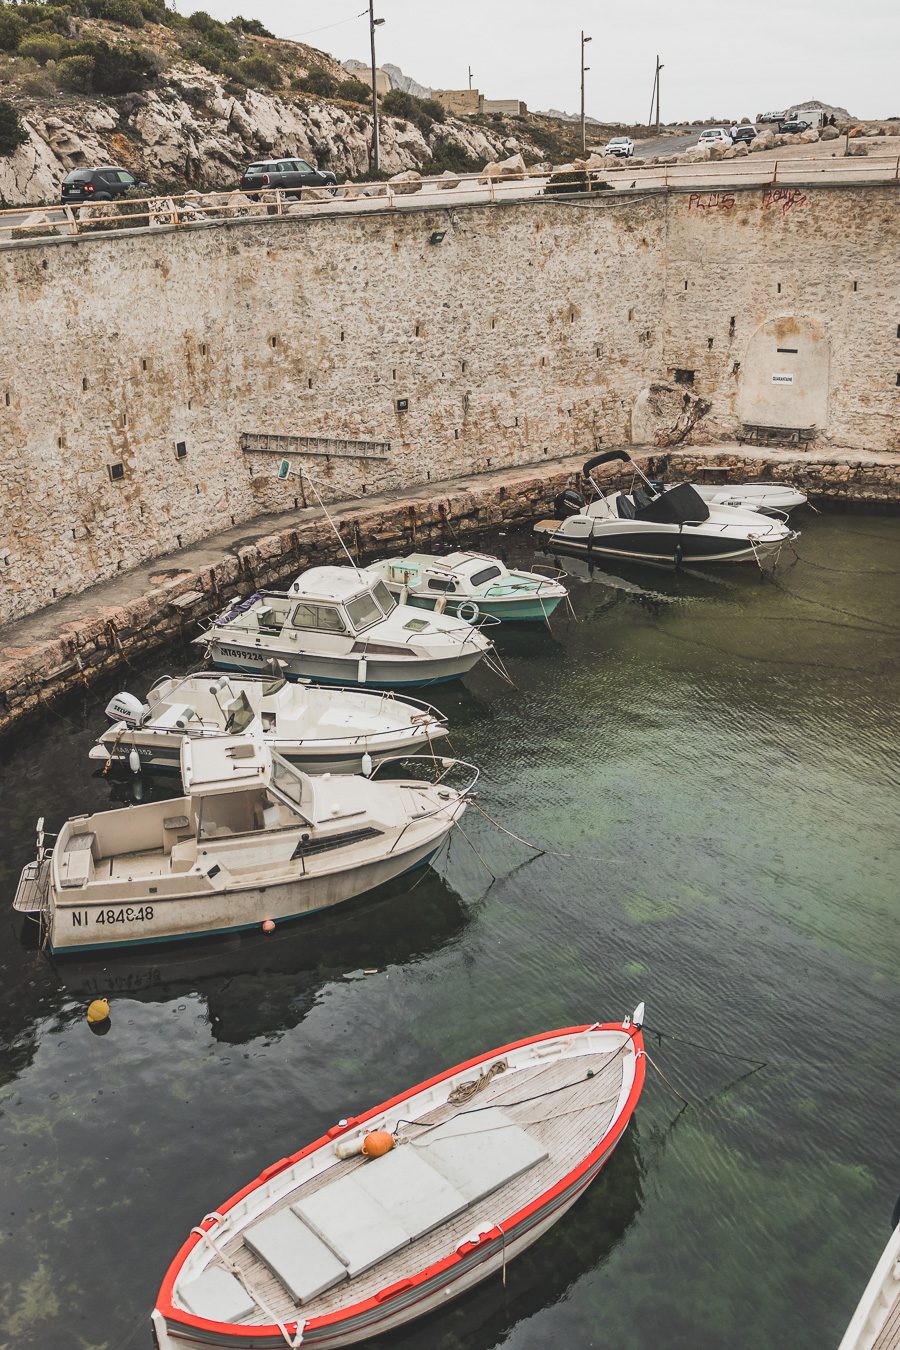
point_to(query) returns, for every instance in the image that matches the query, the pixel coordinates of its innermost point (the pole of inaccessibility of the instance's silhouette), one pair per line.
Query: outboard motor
(126, 708)
(568, 503)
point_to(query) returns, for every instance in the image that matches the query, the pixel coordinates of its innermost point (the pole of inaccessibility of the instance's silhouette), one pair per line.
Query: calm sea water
(713, 760)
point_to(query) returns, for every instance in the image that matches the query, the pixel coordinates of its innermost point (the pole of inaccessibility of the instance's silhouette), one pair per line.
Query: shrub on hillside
(256, 70)
(214, 36)
(317, 81)
(46, 18)
(12, 29)
(122, 70)
(354, 91)
(422, 112)
(43, 47)
(252, 26)
(12, 133)
(127, 12)
(76, 74)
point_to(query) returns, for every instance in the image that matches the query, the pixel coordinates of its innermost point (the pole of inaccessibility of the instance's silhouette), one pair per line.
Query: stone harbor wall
(150, 383)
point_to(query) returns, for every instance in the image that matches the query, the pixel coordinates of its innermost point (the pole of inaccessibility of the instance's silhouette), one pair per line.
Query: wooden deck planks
(568, 1123)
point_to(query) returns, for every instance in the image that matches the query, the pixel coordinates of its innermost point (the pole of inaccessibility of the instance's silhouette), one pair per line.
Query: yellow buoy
(98, 1011)
(377, 1143)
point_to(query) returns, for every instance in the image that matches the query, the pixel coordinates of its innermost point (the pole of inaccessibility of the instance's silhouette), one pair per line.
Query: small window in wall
(84, 384)
(124, 419)
(787, 351)
(204, 350)
(684, 376)
(273, 341)
(116, 472)
(6, 399)
(181, 449)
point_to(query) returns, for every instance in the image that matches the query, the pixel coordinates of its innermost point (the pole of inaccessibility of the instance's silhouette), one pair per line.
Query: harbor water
(709, 761)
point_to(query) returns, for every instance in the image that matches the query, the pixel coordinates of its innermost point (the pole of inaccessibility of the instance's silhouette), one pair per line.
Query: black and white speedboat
(658, 523)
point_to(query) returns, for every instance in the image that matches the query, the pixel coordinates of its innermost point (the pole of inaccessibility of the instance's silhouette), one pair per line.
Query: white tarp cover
(356, 1227)
(480, 1152)
(216, 1294)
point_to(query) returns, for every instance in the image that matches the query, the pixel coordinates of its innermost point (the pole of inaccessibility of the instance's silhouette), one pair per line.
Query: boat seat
(625, 507)
(76, 862)
(411, 1191)
(354, 1225)
(183, 855)
(218, 1295)
(297, 1258)
(480, 1152)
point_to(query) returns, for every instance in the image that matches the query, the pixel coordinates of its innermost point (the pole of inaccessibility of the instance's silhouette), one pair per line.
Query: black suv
(791, 127)
(744, 134)
(99, 185)
(290, 174)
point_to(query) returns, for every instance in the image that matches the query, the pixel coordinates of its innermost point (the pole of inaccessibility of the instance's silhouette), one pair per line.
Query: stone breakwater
(75, 644)
(78, 642)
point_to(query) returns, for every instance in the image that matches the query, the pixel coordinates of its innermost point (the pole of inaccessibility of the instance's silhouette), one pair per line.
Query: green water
(713, 760)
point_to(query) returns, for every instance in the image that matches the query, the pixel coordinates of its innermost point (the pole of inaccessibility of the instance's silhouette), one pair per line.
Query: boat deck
(568, 1124)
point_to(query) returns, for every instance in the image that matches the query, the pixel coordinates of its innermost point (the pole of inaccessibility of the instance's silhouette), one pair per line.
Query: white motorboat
(392, 1213)
(320, 729)
(471, 585)
(663, 523)
(252, 842)
(875, 1325)
(770, 499)
(339, 625)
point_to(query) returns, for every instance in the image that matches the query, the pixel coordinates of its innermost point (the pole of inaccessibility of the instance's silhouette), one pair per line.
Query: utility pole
(584, 68)
(470, 77)
(376, 148)
(655, 94)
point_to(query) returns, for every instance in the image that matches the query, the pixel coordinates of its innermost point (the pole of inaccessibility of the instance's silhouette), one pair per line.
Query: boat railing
(442, 767)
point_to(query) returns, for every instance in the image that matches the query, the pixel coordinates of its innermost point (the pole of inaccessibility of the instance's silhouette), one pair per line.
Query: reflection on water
(711, 763)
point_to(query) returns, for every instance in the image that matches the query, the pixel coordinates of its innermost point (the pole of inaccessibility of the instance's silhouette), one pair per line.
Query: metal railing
(709, 178)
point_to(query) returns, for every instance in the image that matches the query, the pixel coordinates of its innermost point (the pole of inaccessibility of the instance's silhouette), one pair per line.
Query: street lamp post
(376, 147)
(584, 68)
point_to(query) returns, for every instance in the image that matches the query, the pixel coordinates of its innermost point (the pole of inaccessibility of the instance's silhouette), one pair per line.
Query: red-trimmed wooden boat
(333, 1245)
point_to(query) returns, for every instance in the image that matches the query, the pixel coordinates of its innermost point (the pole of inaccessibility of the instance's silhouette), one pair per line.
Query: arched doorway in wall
(785, 375)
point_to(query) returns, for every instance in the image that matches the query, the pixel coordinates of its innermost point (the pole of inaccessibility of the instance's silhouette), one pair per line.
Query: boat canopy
(678, 505)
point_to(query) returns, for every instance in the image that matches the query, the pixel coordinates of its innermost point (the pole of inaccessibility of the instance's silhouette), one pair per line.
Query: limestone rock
(857, 150)
(829, 134)
(405, 182)
(315, 194)
(697, 154)
(741, 150)
(505, 168)
(810, 136)
(448, 180)
(717, 151)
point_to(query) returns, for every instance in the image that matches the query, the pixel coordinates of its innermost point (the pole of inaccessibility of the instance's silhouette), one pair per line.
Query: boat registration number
(128, 914)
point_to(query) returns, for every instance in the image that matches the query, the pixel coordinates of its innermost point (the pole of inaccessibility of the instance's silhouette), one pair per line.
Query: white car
(621, 146)
(715, 136)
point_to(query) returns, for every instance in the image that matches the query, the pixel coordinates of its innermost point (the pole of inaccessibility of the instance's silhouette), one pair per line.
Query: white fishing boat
(252, 842)
(318, 728)
(658, 523)
(770, 499)
(393, 1212)
(875, 1325)
(471, 585)
(338, 625)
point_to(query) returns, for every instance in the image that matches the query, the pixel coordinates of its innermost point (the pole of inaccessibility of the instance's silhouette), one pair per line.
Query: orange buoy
(376, 1144)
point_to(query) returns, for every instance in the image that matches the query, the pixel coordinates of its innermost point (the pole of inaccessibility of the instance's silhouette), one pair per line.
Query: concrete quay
(77, 641)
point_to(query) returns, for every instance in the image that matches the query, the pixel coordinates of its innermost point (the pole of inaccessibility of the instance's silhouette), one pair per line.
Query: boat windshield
(384, 598)
(363, 611)
(486, 574)
(289, 783)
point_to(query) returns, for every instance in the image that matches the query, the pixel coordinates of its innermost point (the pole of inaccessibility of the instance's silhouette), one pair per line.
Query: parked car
(100, 185)
(715, 136)
(290, 174)
(744, 134)
(622, 146)
(793, 126)
(772, 117)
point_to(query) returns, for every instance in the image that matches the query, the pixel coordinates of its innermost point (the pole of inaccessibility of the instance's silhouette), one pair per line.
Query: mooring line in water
(876, 625)
(699, 1045)
(538, 848)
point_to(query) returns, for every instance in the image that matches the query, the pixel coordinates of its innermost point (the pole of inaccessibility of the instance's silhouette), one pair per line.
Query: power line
(309, 31)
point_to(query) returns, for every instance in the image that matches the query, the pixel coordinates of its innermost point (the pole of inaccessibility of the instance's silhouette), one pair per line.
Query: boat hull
(77, 925)
(486, 1261)
(532, 610)
(371, 672)
(160, 752)
(658, 546)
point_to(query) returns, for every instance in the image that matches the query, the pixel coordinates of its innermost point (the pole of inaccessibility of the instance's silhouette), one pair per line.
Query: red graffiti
(786, 198)
(711, 201)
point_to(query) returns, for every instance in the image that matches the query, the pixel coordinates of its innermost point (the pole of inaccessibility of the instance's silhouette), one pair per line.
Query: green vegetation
(12, 133)
(76, 74)
(252, 26)
(422, 112)
(12, 29)
(43, 47)
(121, 70)
(126, 12)
(317, 81)
(256, 70)
(354, 91)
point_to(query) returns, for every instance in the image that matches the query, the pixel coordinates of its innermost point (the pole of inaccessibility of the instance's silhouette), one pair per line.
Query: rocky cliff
(193, 128)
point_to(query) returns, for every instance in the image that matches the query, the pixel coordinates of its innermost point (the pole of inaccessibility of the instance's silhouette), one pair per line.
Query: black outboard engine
(568, 503)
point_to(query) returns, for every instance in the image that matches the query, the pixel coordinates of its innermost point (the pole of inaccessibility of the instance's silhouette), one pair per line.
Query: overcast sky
(721, 59)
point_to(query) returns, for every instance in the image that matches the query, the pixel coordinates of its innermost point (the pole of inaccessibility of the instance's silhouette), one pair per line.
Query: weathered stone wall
(531, 330)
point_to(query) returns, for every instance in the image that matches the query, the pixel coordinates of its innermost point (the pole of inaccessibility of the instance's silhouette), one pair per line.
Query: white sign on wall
(782, 379)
